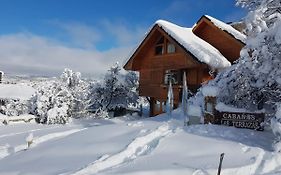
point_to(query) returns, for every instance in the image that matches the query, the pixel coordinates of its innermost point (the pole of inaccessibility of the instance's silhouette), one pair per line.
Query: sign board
(242, 120)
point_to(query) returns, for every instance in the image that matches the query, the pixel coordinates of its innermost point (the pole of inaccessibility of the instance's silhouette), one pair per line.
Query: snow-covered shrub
(71, 79)
(79, 90)
(115, 92)
(55, 101)
(15, 107)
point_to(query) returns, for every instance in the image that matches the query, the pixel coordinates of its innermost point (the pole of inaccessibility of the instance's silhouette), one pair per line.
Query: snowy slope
(148, 146)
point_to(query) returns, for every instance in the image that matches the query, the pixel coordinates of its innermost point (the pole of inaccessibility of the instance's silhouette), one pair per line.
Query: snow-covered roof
(228, 28)
(202, 50)
(16, 91)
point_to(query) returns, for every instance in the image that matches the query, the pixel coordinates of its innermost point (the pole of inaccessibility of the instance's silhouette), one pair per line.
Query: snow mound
(210, 91)
(223, 107)
(202, 50)
(194, 110)
(16, 91)
(226, 108)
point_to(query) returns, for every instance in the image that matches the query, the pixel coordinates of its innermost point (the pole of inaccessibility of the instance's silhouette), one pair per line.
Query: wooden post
(29, 143)
(141, 110)
(1, 76)
(209, 109)
(220, 164)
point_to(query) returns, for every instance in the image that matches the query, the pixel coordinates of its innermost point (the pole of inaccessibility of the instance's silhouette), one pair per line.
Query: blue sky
(40, 37)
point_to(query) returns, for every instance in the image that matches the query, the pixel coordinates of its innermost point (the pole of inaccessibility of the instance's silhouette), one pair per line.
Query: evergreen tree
(116, 91)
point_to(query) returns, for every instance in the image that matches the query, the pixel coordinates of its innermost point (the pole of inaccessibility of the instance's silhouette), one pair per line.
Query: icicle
(184, 102)
(170, 100)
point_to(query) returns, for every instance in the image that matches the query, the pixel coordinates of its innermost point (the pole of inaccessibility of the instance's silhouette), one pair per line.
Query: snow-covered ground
(16, 91)
(146, 146)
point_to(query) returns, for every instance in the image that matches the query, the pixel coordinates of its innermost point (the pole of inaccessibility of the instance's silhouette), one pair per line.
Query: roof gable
(202, 50)
(228, 29)
(192, 44)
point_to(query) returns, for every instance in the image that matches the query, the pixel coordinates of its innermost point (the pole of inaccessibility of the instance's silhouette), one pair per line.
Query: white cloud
(123, 33)
(73, 45)
(25, 53)
(80, 34)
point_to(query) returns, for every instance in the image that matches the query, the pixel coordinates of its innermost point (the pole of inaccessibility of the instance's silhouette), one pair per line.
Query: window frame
(174, 48)
(164, 47)
(173, 73)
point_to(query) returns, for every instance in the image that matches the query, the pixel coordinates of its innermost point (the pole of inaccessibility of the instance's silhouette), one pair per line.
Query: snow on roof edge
(227, 28)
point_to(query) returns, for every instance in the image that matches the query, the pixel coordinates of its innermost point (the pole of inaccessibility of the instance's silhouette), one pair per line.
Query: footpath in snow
(139, 146)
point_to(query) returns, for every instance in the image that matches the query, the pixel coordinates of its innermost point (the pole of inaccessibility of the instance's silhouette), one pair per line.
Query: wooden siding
(224, 42)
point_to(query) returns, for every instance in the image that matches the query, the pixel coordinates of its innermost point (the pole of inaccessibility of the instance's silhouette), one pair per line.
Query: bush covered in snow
(15, 107)
(58, 100)
(116, 92)
(69, 96)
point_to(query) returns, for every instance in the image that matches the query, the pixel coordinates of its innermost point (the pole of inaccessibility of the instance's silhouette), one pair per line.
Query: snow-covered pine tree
(79, 90)
(170, 100)
(115, 92)
(113, 89)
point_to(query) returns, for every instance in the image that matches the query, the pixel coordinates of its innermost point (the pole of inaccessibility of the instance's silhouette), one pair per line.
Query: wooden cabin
(168, 50)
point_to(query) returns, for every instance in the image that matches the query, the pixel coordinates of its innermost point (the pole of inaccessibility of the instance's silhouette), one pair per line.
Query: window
(171, 48)
(159, 48)
(163, 46)
(173, 76)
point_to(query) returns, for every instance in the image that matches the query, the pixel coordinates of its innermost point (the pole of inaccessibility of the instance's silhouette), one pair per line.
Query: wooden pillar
(151, 106)
(1, 76)
(209, 109)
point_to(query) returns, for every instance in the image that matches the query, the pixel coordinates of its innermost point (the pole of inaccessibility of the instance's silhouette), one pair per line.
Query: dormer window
(163, 46)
